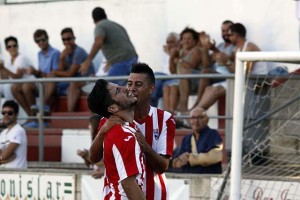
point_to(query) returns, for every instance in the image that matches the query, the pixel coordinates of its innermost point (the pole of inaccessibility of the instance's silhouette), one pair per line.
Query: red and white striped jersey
(159, 130)
(122, 158)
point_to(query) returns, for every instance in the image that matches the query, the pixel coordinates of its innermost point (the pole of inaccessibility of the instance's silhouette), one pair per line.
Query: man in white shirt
(13, 140)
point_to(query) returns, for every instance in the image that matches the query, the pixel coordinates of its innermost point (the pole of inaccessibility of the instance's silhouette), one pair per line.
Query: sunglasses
(67, 39)
(40, 40)
(12, 46)
(9, 113)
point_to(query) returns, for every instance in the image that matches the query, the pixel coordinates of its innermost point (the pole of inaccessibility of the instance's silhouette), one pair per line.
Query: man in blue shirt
(48, 59)
(69, 63)
(200, 151)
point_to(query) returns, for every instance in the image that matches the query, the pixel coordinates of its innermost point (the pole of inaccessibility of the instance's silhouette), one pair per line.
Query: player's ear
(113, 108)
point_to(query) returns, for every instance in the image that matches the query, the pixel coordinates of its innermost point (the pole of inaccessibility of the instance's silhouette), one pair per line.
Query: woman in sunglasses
(13, 140)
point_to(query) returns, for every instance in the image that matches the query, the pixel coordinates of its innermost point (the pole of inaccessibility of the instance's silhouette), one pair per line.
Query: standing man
(117, 48)
(13, 140)
(123, 158)
(157, 132)
(48, 58)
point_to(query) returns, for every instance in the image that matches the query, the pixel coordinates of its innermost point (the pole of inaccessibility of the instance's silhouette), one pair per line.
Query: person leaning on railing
(200, 151)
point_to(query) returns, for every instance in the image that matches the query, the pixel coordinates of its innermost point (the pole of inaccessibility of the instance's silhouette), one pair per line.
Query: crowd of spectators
(190, 52)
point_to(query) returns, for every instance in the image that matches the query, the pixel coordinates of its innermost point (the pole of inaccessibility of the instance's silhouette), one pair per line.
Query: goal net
(265, 162)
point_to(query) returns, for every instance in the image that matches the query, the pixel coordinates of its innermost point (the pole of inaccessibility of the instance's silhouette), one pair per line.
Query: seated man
(124, 161)
(237, 36)
(201, 151)
(48, 58)
(69, 63)
(13, 140)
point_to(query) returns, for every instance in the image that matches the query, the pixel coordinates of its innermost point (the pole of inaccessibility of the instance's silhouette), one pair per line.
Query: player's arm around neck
(96, 149)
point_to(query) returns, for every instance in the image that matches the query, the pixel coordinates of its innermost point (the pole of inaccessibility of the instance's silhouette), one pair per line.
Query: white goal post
(238, 109)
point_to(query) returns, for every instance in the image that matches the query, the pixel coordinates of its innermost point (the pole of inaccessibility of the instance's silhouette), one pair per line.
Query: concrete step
(70, 120)
(52, 144)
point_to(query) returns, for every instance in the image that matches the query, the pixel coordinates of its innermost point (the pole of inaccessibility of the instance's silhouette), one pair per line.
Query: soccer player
(157, 132)
(123, 159)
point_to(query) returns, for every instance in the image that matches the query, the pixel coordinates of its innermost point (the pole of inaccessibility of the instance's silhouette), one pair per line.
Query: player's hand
(112, 121)
(142, 141)
(97, 174)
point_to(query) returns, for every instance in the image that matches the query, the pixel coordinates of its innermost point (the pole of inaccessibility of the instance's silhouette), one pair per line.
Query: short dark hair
(10, 38)
(143, 68)
(227, 22)
(98, 14)
(239, 29)
(39, 33)
(194, 33)
(12, 104)
(100, 99)
(67, 30)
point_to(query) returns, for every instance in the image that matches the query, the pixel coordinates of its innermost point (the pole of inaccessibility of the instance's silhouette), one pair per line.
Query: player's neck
(127, 115)
(141, 111)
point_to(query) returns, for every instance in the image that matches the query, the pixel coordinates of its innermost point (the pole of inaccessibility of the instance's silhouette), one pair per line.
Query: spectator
(170, 87)
(190, 61)
(201, 151)
(117, 48)
(124, 161)
(237, 36)
(224, 47)
(69, 63)
(157, 132)
(98, 171)
(14, 68)
(48, 58)
(13, 140)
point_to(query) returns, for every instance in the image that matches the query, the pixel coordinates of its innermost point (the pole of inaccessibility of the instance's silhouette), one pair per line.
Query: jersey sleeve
(166, 138)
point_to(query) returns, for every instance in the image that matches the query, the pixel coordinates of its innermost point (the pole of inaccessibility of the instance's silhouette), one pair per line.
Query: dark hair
(12, 104)
(194, 33)
(66, 30)
(94, 121)
(10, 38)
(227, 22)
(239, 29)
(39, 33)
(143, 68)
(98, 14)
(99, 99)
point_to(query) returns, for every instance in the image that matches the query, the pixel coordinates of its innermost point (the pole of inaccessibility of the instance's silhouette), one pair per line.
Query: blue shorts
(61, 88)
(121, 69)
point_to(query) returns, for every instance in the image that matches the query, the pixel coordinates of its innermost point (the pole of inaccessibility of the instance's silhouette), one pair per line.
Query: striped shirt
(159, 130)
(122, 158)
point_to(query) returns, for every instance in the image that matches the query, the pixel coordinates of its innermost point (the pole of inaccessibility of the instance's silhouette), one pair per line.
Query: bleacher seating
(53, 135)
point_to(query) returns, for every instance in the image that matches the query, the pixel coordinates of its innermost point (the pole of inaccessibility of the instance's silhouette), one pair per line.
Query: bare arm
(98, 43)
(131, 188)
(9, 151)
(11, 158)
(96, 149)
(158, 162)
